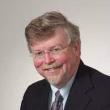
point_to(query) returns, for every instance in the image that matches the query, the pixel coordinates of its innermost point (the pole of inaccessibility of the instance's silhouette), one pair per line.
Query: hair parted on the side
(45, 25)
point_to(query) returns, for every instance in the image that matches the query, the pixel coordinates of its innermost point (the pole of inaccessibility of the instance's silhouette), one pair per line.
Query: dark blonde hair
(44, 26)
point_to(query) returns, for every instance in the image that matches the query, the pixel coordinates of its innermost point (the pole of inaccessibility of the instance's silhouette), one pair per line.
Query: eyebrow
(37, 50)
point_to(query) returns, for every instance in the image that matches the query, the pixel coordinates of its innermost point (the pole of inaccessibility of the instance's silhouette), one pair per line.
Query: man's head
(55, 45)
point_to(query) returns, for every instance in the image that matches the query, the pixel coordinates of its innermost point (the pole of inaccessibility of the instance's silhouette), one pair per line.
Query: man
(55, 45)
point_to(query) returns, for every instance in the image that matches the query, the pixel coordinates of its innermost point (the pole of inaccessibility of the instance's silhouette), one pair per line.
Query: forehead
(58, 38)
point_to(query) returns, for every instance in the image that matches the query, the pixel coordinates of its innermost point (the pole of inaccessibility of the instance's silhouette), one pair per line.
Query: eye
(56, 50)
(38, 54)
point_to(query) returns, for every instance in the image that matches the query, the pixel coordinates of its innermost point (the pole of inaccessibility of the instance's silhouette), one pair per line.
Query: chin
(55, 83)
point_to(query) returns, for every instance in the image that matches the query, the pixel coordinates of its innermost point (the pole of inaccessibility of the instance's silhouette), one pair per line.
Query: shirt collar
(65, 89)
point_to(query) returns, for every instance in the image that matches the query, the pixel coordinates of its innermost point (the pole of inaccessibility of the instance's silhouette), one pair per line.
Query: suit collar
(78, 97)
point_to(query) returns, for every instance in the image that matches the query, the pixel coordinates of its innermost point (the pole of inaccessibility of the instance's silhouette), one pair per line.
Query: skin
(57, 69)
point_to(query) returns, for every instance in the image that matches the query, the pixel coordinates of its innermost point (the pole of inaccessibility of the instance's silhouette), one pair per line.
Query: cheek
(62, 59)
(37, 64)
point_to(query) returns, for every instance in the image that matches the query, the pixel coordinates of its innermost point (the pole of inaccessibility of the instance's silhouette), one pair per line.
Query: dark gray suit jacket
(90, 91)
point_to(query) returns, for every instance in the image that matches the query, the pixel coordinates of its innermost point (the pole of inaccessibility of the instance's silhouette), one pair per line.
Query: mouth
(52, 72)
(52, 66)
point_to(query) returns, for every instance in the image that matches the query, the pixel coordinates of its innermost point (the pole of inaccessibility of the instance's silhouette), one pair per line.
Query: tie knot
(57, 93)
(59, 97)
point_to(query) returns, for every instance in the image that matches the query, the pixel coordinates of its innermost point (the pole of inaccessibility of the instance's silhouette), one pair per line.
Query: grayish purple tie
(58, 103)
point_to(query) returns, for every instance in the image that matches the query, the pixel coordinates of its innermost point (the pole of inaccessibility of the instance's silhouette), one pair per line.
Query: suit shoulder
(39, 84)
(34, 96)
(99, 78)
(38, 87)
(98, 75)
(87, 70)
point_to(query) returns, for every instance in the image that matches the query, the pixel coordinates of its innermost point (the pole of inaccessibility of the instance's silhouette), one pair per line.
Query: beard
(58, 79)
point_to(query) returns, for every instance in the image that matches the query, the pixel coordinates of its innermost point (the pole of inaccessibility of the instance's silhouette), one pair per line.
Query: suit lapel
(44, 102)
(78, 98)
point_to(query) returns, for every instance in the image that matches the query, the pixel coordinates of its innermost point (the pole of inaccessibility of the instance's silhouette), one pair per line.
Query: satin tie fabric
(58, 103)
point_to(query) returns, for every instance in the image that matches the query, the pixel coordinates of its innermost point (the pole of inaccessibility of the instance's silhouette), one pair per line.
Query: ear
(77, 47)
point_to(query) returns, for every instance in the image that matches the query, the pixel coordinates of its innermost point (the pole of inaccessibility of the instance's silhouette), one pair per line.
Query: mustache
(53, 65)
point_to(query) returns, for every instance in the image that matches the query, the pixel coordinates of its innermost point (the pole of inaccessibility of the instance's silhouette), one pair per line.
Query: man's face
(55, 59)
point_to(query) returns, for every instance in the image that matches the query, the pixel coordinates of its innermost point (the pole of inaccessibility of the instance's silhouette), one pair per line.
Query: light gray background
(16, 66)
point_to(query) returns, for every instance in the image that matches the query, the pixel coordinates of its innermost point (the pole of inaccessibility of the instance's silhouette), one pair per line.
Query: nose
(48, 58)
